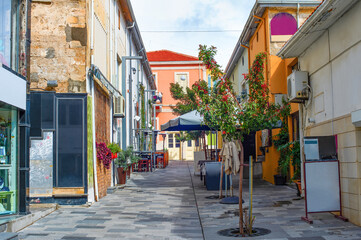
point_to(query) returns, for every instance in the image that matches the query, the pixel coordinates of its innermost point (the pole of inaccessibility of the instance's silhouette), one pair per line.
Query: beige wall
(333, 62)
(241, 68)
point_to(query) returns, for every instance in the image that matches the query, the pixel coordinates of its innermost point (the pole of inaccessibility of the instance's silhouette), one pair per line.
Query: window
(242, 60)
(257, 36)
(177, 142)
(170, 141)
(8, 159)
(189, 143)
(283, 24)
(8, 32)
(182, 80)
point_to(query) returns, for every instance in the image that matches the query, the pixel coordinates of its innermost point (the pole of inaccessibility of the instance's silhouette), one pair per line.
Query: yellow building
(269, 25)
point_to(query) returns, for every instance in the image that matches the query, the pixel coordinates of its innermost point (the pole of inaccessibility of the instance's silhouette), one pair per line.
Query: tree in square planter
(221, 109)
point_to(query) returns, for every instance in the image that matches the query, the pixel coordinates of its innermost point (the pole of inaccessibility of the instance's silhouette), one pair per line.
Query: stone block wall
(58, 45)
(102, 129)
(349, 154)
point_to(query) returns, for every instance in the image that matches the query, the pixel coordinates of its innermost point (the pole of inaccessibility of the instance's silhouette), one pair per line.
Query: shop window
(8, 32)
(283, 24)
(177, 142)
(8, 159)
(170, 141)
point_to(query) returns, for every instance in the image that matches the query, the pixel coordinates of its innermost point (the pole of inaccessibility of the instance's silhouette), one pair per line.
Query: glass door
(8, 159)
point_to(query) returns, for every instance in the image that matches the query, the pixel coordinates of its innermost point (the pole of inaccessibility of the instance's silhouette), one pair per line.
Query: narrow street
(162, 205)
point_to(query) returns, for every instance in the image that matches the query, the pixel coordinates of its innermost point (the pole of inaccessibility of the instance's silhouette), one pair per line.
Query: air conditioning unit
(297, 83)
(119, 107)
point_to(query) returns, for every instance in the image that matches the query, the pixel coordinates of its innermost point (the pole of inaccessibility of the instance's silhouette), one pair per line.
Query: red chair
(143, 165)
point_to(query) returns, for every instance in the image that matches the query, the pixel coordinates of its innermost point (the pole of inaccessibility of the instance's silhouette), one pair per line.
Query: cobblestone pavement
(165, 205)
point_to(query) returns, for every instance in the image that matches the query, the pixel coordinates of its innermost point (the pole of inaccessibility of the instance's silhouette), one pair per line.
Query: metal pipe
(298, 15)
(139, 105)
(250, 191)
(93, 103)
(130, 102)
(300, 106)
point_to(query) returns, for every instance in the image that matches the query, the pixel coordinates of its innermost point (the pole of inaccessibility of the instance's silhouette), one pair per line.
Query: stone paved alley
(163, 205)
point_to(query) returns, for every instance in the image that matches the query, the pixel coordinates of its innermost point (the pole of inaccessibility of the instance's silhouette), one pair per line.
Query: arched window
(283, 24)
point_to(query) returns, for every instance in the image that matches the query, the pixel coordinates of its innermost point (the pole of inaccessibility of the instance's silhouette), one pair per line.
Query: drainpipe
(265, 45)
(93, 103)
(249, 57)
(300, 107)
(298, 15)
(138, 110)
(130, 104)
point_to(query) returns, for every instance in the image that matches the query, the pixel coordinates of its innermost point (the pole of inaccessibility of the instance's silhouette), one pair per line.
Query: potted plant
(115, 149)
(133, 160)
(104, 154)
(123, 162)
(282, 144)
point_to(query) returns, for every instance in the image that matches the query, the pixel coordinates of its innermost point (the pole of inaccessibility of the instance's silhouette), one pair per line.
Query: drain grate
(234, 232)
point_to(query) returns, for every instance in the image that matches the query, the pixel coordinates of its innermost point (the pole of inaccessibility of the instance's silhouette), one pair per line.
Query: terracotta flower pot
(122, 176)
(114, 155)
(128, 172)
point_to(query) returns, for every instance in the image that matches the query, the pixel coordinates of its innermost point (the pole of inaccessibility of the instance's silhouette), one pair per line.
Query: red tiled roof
(169, 56)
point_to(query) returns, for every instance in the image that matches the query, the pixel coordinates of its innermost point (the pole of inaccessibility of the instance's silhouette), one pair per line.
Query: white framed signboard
(322, 183)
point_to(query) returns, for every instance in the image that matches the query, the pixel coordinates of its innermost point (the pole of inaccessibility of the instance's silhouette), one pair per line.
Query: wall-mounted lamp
(134, 70)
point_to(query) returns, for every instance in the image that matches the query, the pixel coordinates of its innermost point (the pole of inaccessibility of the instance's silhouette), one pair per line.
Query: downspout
(249, 57)
(265, 43)
(93, 103)
(130, 118)
(298, 15)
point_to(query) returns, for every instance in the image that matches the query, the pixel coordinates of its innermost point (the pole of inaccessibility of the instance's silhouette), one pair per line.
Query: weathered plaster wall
(58, 45)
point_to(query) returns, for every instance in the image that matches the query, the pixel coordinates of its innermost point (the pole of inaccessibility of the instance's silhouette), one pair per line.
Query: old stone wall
(102, 126)
(58, 46)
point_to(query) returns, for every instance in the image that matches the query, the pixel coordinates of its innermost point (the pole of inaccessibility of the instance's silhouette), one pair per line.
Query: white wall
(333, 62)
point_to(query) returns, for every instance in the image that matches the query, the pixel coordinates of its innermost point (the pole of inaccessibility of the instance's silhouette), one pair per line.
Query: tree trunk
(240, 190)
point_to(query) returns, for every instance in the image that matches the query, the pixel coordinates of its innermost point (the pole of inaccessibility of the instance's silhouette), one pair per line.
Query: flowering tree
(222, 111)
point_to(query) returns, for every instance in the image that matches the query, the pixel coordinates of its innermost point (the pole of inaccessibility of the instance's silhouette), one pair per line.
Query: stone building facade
(70, 39)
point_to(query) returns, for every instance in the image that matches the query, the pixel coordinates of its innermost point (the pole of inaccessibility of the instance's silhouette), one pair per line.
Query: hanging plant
(104, 154)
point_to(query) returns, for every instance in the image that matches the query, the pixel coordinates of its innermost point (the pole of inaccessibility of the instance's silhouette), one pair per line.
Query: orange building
(269, 26)
(172, 67)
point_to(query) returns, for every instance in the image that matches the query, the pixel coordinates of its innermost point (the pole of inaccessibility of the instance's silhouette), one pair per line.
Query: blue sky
(194, 15)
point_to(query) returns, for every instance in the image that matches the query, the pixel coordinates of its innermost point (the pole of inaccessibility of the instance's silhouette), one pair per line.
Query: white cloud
(153, 15)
